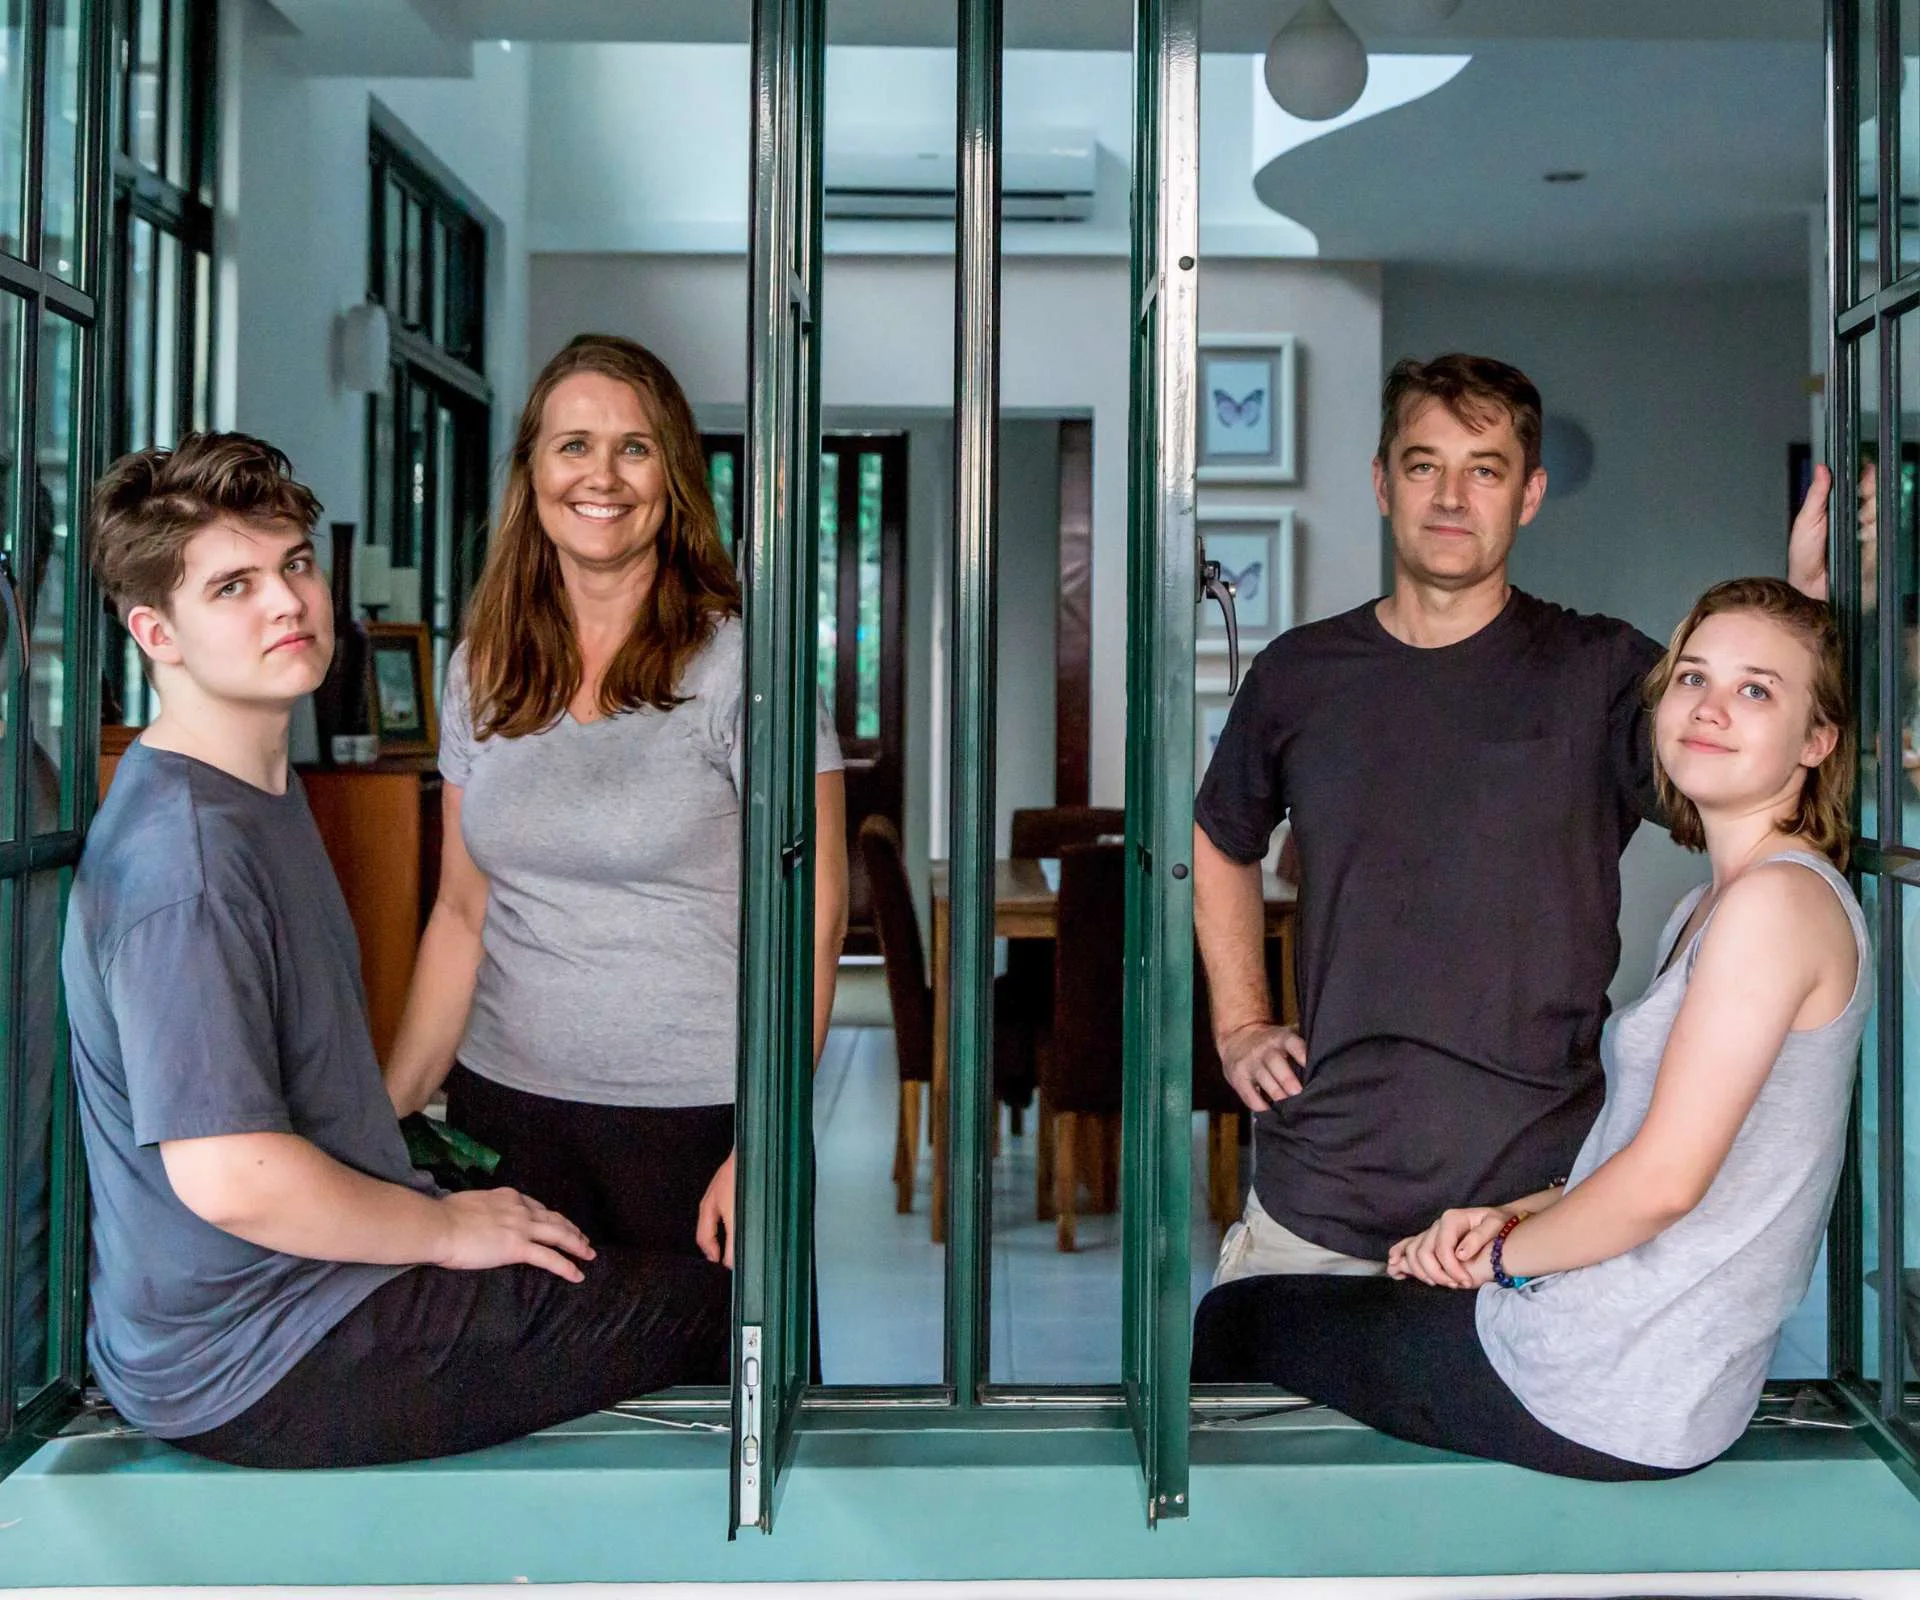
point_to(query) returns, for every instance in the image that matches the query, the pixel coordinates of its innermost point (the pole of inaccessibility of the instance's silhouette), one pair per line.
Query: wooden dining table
(1025, 906)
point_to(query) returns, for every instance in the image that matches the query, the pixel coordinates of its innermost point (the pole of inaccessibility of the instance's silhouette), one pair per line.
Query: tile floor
(1054, 1318)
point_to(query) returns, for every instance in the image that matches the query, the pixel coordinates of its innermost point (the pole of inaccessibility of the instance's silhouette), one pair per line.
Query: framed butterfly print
(1254, 546)
(1247, 405)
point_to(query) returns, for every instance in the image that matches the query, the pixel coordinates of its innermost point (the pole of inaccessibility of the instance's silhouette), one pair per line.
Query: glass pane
(866, 717)
(721, 483)
(412, 266)
(410, 537)
(829, 580)
(13, 429)
(13, 125)
(143, 96)
(436, 283)
(442, 615)
(179, 89)
(1867, 483)
(1870, 889)
(393, 230)
(58, 502)
(380, 474)
(1909, 19)
(139, 337)
(202, 269)
(166, 341)
(42, 1043)
(1867, 163)
(60, 228)
(1909, 1222)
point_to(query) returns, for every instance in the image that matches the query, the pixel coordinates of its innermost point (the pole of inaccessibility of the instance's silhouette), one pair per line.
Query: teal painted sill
(620, 1499)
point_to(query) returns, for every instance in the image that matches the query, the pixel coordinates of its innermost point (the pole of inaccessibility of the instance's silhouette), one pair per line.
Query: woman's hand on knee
(1452, 1253)
(714, 1231)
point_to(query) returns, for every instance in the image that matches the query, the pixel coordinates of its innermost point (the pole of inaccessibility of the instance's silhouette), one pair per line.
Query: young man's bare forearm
(1229, 917)
(284, 1193)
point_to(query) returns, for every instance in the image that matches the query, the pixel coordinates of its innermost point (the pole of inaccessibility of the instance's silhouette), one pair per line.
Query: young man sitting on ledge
(272, 1283)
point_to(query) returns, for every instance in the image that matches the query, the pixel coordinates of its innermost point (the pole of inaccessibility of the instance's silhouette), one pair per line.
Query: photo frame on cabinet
(1210, 708)
(400, 694)
(1247, 404)
(1255, 548)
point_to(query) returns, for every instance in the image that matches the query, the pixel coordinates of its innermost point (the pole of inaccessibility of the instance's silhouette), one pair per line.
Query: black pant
(437, 1362)
(622, 1175)
(1399, 1356)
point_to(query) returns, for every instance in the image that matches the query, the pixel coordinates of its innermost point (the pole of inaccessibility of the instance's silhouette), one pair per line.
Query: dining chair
(1080, 1071)
(1039, 832)
(910, 996)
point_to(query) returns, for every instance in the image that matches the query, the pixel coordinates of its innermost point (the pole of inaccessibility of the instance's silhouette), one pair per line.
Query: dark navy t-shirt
(213, 987)
(1460, 814)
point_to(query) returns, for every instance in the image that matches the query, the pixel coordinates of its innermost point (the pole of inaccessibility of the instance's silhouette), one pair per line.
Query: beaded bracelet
(1501, 1276)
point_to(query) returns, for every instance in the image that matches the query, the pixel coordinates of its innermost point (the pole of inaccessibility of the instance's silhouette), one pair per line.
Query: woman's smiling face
(1735, 727)
(599, 476)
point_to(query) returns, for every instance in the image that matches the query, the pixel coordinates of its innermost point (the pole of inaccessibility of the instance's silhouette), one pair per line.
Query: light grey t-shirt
(1659, 1355)
(610, 972)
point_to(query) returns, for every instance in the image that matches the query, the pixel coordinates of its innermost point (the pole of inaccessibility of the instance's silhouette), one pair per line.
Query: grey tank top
(1658, 1355)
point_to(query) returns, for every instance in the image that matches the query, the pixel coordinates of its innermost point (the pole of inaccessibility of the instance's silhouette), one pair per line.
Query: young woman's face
(1735, 727)
(599, 478)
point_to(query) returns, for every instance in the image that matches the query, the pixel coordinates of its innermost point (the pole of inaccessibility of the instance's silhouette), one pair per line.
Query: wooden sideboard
(381, 827)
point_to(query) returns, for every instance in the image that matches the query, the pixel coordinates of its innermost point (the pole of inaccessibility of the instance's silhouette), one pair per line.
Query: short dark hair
(1477, 390)
(148, 506)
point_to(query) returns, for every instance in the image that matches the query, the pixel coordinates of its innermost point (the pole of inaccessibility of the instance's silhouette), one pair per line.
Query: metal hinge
(750, 1426)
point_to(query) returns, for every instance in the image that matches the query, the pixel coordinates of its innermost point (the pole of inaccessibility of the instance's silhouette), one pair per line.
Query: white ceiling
(1226, 25)
(1703, 162)
(1699, 122)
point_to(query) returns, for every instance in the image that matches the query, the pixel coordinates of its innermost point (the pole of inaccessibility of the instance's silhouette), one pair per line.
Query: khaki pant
(1257, 1246)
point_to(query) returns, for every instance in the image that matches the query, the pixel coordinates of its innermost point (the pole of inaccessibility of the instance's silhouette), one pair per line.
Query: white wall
(293, 235)
(887, 336)
(1692, 397)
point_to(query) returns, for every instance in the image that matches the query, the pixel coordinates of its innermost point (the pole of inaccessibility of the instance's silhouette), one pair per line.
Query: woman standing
(1623, 1325)
(576, 986)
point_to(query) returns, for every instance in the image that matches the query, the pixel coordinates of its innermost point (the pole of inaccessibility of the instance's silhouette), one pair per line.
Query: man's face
(250, 622)
(1455, 496)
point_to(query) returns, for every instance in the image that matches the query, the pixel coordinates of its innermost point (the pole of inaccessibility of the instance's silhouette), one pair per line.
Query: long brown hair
(523, 661)
(1822, 814)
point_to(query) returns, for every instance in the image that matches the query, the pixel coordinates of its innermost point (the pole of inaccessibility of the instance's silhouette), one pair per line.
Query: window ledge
(616, 1499)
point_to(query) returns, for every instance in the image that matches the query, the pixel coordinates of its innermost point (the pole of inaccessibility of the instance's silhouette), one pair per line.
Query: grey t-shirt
(1659, 1355)
(213, 987)
(611, 950)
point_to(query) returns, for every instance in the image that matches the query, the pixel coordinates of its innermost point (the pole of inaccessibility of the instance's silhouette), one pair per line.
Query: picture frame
(1255, 548)
(1248, 424)
(400, 688)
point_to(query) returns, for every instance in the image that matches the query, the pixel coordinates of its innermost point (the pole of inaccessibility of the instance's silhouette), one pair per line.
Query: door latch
(1214, 585)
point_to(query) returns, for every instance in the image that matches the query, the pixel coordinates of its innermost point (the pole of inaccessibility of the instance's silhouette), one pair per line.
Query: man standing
(1463, 765)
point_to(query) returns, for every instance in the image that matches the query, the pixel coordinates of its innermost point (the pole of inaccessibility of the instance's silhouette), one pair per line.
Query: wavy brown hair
(523, 660)
(1823, 813)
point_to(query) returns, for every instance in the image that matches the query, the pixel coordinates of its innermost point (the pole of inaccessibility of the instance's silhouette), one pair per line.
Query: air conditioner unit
(891, 174)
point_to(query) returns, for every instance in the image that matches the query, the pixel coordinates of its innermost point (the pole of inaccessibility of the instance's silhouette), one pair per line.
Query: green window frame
(1875, 295)
(52, 234)
(164, 155)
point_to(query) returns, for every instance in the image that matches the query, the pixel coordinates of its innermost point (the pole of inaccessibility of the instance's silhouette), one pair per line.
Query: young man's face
(250, 622)
(1455, 496)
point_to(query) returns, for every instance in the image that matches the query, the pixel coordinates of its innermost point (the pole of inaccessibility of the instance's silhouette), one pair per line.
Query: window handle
(1214, 586)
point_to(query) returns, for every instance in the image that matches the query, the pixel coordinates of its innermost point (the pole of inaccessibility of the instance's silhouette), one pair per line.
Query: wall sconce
(363, 347)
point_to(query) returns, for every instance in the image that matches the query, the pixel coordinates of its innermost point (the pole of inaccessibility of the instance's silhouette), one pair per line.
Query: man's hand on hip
(1261, 1062)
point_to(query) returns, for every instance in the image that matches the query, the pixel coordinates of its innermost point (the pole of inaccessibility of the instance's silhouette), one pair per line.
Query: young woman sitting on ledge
(1622, 1325)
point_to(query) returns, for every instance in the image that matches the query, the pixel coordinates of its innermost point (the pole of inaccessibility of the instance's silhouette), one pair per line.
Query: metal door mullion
(1889, 776)
(34, 70)
(973, 634)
